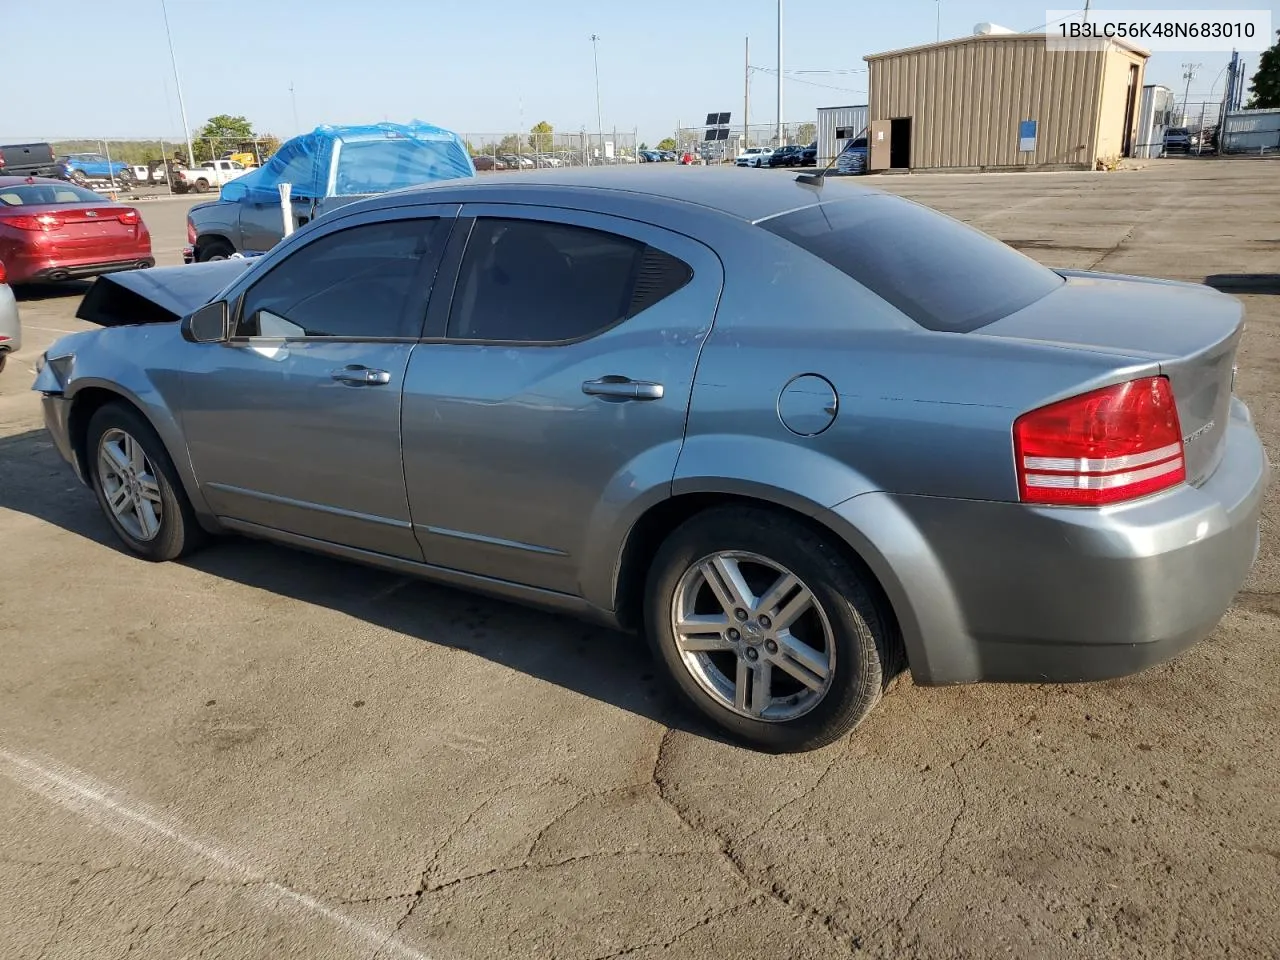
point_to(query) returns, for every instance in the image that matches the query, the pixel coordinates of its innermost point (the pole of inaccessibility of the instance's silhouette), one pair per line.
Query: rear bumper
(54, 272)
(989, 591)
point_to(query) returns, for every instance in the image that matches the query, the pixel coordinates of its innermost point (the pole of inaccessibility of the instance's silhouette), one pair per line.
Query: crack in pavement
(137, 940)
(668, 943)
(62, 913)
(806, 914)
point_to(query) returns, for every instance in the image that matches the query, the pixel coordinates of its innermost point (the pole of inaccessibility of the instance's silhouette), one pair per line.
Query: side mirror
(208, 324)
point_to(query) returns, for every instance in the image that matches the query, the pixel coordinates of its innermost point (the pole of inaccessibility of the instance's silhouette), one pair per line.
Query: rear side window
(941, 273)
(532, 281)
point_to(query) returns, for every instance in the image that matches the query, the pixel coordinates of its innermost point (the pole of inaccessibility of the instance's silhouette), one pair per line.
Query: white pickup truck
(211, 173)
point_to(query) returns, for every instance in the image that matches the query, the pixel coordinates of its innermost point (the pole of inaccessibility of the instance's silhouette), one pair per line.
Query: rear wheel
(767, 629)
(208, 250)
(137, 486)
(202, 186)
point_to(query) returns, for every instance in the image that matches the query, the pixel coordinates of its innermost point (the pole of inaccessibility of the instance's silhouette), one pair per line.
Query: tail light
(41, 221)
(1105, 446)
(191, 232)
(4, 276)
(129, 216)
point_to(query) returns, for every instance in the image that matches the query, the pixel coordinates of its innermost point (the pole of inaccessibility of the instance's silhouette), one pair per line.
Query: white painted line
(108, 808)
(33, 326)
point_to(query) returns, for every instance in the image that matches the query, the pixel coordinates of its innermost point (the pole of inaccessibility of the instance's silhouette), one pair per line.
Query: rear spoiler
(158, 295)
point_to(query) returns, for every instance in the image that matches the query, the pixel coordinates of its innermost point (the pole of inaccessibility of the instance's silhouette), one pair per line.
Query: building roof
(991, 38)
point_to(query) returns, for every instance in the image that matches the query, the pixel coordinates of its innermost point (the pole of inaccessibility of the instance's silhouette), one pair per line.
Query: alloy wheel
(130, 485)
(753, 636)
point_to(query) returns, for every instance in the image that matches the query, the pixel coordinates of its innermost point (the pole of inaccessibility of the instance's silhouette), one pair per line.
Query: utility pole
(1188, 74)
(746, 97)
(779, 73)
(1086, 11)
(182, 108)
(937, 32)
(595, 56)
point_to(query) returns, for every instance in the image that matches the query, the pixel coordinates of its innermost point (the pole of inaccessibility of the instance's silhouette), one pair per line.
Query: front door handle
(622, 388)
(358, 376)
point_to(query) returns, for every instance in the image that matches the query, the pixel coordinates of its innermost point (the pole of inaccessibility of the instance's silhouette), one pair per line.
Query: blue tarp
(344, 161)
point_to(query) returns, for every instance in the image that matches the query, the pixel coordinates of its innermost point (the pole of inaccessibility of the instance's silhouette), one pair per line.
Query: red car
(52, 230)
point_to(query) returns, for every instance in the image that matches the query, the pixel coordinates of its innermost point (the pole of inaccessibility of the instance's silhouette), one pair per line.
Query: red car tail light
(191, 232)
(4, 277)
(39, 221)
(129, 216)
(1105, 446)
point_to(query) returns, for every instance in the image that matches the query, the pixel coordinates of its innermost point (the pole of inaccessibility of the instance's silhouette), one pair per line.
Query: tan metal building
(1002, 102)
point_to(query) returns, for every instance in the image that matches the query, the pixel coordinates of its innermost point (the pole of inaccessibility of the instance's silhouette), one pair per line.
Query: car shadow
(1264, 283)
(593, 661)
(31, 292)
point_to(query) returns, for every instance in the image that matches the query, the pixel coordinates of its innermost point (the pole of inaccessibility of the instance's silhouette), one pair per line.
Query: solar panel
(711, 119)
(709, 135)
(724, 118)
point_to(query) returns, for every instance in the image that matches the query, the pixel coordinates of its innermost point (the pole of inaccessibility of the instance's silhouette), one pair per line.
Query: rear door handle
(358, 376)
(622, 388)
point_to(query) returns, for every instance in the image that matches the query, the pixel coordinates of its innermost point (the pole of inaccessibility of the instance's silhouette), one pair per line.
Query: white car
(753, 157)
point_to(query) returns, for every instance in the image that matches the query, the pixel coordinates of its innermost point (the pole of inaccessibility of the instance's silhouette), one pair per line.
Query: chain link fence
(759, 135)
(531, 151)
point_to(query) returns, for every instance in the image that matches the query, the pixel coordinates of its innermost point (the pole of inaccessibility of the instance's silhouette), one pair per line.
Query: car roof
(746, 195)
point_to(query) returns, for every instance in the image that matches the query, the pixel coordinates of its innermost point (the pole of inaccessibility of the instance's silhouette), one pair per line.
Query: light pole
(779, 143)
(595, 56)
(182, 107)
(1188, 73)
(937, 28)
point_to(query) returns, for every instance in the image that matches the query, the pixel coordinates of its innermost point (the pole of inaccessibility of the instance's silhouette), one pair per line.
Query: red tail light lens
(42, 221)
(129, 216)
(4, 276)
(191, 232)
(1106, 446)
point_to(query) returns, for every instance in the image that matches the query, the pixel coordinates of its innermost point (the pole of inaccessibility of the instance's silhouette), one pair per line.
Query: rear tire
(792, 685)
(202, 186)
(129, 467)
(212, 250)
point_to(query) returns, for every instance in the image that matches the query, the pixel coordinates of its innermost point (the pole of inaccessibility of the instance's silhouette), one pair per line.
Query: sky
(482, 67)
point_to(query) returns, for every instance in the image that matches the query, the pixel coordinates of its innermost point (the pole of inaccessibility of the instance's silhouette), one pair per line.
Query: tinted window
(354, 283)
(536, 282)
(942, 274)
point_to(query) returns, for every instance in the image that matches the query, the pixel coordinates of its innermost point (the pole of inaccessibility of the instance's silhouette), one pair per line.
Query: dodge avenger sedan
(801, 436)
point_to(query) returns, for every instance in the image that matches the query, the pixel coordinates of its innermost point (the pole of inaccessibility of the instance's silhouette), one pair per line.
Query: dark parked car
(786, 156)
(902, 442)
(809, 155)
(1177, 140)
(29, 160)
(486, 162)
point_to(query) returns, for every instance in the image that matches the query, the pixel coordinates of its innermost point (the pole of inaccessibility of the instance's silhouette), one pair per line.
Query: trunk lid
(89, 231)
(1190, 330)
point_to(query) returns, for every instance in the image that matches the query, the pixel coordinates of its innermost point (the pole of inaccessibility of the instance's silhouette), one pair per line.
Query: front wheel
(767, 629)
(137, 486)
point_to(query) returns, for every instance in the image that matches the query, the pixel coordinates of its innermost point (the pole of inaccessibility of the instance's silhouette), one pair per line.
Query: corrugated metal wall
(1251, 131)
(831, 119)
(966, 100)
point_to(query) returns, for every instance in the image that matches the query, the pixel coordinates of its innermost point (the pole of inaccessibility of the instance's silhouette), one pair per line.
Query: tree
(1265, 88)
(643, 145)
(807, 133)
(667, 143)
(221, 133)
(540, 137)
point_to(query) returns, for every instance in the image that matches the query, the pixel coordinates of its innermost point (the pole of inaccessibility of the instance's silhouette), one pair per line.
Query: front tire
(767, 629)
(137, 485)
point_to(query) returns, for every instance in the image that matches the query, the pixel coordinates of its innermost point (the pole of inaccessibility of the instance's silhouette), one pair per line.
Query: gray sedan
(10, 328)
(801, 437)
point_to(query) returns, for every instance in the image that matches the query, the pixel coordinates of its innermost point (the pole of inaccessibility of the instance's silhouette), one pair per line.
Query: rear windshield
(30, 194)
(942, 274)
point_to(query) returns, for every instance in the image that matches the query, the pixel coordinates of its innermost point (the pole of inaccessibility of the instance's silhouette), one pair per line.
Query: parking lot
(259, 753)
